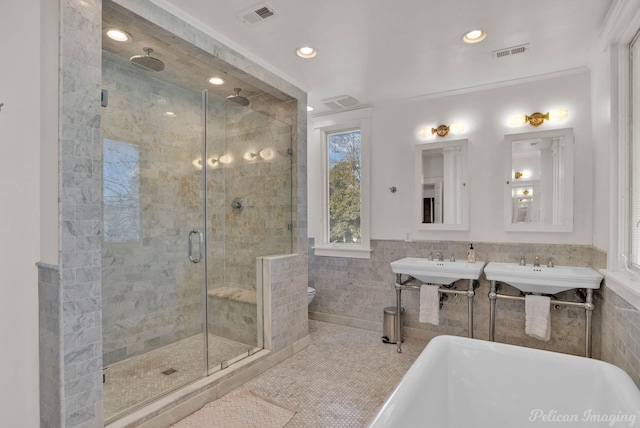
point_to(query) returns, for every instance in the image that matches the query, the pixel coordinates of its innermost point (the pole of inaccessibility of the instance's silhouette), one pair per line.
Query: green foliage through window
(344, 186)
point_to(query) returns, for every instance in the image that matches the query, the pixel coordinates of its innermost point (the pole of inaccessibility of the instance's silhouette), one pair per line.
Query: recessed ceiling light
(474, 36)
(170, 113)
(216, 81)
(118, 35)
(309, 108)
(306, 52)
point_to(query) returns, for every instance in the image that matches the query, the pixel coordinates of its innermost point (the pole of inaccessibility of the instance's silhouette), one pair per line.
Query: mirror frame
(464, 188)
(567, 216)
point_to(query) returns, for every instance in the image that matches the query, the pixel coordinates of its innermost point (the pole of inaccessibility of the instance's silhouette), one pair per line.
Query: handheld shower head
(147, 61)
(237, 98)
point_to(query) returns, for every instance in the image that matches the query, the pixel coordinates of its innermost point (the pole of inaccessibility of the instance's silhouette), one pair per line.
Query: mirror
(539, 182)
(441, 185)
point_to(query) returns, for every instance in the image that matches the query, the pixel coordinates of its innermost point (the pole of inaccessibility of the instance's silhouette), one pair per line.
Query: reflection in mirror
(441, 185)
(539, 195)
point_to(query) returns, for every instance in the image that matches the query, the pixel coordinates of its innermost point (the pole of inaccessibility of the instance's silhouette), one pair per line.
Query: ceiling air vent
(514, 50)
(340, 102)
(256, 13)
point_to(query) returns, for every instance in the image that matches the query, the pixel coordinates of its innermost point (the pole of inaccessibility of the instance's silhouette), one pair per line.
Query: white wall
(394, 127)
(19, 212)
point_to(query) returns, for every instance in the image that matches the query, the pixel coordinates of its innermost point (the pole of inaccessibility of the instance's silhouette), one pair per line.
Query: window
(121, 192)
(345, 166)
(344, 186)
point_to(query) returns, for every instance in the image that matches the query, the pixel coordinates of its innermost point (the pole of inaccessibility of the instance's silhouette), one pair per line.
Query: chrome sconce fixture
(263, 154)
(537, 118)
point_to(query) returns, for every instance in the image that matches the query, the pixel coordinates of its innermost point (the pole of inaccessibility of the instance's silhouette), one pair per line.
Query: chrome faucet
(550, 262)
(430, 256)
(453, 258)
(439, 256)
(522, 261)
(536, 262)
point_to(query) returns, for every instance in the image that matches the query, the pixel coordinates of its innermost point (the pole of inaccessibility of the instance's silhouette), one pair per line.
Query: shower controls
(237, 205)
(198, 257)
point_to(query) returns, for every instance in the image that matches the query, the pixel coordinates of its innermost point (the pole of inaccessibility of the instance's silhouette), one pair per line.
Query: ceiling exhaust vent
(503, 53)
(256, 13)
(340, 102)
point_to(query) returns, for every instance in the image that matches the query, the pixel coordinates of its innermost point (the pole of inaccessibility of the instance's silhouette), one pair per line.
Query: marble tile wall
(80, 196)
(620, 324)
(355, 292)
(49, 312)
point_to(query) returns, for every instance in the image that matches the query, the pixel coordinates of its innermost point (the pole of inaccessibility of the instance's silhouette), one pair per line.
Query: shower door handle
(197, 258)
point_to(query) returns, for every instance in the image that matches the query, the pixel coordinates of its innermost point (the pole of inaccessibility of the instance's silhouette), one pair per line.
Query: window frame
(351, 120)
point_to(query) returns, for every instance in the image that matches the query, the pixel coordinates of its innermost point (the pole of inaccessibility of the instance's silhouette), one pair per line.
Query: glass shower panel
(152, 294)
(249, 215)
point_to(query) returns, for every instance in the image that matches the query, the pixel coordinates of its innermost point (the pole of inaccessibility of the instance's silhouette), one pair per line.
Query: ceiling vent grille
(256, 13)
(514, 50)
(340, 102)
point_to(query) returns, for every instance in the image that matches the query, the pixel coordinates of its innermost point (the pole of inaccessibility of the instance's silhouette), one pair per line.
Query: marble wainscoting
(355, 292)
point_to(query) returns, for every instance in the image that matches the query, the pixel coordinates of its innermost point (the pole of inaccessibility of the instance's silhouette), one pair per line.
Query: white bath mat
(238, 409)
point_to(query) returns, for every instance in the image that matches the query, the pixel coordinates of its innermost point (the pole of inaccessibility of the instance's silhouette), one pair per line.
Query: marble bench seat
(233, 314)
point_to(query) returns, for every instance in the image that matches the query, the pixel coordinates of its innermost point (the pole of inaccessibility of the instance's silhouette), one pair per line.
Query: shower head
(238, 99)
(147, 61)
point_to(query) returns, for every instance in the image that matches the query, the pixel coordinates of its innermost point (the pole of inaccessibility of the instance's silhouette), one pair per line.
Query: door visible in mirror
(539, 192)
(441, 188)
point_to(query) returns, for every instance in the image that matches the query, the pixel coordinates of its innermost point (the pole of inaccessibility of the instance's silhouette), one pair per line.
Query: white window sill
(624, 284)
(342, 251)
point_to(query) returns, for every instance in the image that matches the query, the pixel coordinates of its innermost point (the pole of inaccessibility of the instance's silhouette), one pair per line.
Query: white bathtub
(459, 382)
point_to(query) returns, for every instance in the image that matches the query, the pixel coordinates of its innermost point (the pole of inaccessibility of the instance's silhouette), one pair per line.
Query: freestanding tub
(461, 382)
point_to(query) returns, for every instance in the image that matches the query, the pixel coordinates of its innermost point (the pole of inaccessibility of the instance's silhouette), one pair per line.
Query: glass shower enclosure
(196, 187)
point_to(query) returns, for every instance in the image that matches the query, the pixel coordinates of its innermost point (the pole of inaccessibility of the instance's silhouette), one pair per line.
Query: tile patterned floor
(140, 379)
(238, 409)
(340, 380)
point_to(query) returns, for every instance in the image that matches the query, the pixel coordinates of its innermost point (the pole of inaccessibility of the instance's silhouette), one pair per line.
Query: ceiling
(380, 51)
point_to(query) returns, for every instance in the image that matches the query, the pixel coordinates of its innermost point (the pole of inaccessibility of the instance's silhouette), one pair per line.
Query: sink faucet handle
(522, 261)
(550, 262)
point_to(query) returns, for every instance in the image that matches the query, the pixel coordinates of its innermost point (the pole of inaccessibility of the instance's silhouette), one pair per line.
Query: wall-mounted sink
(543, 279)
(436, 272)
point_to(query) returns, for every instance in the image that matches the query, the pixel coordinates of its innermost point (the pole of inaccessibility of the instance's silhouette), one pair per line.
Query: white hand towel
(538, 319)
(430, 304)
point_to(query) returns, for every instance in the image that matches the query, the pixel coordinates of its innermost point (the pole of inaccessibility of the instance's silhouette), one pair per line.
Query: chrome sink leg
(470, 294)
(399, 312)
(588, 309)
(493, 295)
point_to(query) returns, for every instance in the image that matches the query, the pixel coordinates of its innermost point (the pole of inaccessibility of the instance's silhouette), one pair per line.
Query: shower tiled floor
(150, 375)
(340, 380)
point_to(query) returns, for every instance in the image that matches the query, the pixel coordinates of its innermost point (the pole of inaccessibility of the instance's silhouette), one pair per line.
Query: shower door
(248, 214)
(153, 282)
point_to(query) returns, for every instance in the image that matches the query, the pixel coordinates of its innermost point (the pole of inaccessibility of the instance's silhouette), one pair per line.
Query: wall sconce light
(263, 154)
(537, 118)
(454, 128)
(525, 173)
(442, 130)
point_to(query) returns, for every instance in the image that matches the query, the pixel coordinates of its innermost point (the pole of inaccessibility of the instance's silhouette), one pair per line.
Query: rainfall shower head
(237, 98)
(147, 61)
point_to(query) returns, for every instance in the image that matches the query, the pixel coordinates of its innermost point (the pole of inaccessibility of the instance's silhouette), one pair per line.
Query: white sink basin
(435, 272)
(543, 279)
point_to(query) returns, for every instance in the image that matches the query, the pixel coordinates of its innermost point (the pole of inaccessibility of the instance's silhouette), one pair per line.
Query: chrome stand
(406, 285)
(587, 305)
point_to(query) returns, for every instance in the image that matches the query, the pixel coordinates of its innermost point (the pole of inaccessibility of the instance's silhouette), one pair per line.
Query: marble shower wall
(355, 292)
